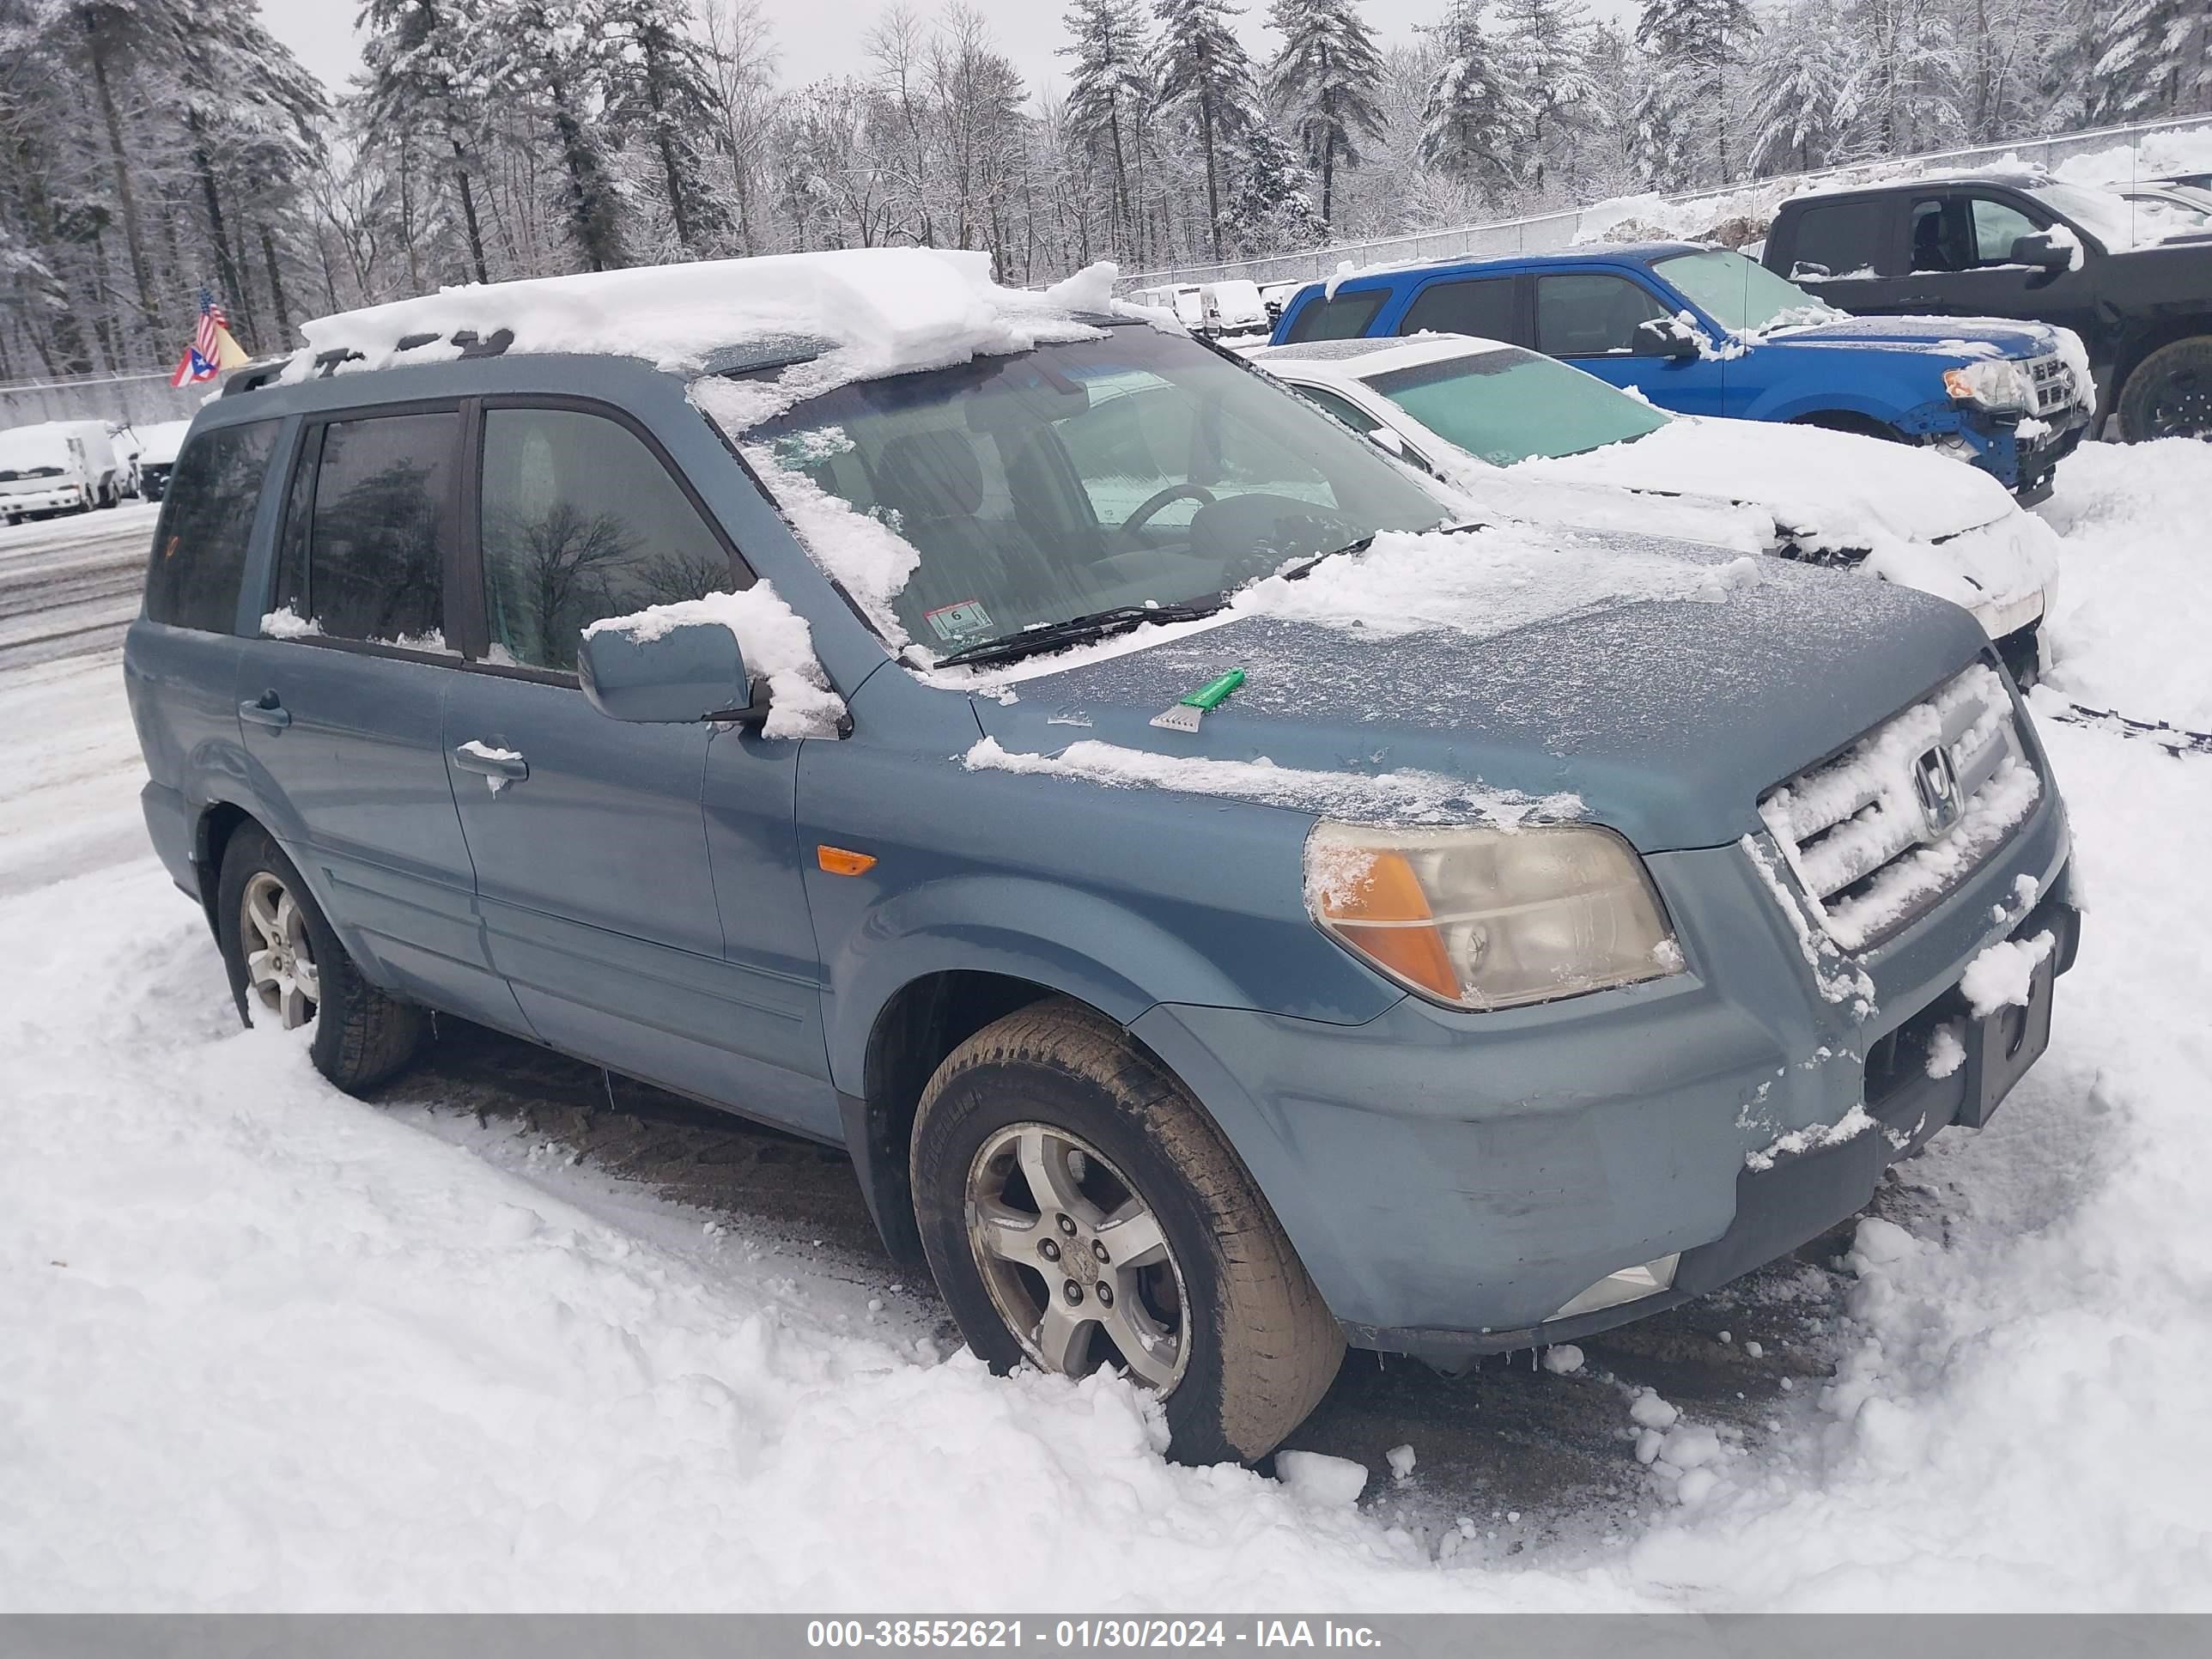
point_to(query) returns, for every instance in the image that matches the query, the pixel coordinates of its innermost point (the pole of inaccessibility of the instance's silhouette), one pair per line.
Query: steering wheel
(1159, 498)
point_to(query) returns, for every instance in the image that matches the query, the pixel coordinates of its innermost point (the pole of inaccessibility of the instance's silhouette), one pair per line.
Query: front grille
(1877, 835)
(2054, 384)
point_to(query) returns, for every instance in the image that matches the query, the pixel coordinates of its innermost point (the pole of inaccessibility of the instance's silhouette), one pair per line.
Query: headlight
(1491, 918)
(1994, 383)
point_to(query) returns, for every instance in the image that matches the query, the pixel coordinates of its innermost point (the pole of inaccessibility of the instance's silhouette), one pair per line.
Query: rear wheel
(2170, 394)
(288, 969)
(1079, 1210)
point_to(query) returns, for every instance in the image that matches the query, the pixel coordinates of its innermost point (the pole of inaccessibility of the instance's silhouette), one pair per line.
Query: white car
(1528, 437)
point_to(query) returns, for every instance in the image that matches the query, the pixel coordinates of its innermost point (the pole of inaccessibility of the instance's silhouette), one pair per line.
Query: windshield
(2108, 217)
(1142, 468)
(1741, 294)
(11, 474)
(1510, 406)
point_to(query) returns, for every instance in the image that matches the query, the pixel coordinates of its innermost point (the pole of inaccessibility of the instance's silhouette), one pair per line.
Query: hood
(1668, 718)
(2012, 339)
(1833, 491)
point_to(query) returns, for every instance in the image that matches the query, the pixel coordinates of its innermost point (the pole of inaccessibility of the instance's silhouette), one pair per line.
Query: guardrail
(1545, 233)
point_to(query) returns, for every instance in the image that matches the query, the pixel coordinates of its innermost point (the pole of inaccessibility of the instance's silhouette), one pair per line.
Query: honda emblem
(1935, 785)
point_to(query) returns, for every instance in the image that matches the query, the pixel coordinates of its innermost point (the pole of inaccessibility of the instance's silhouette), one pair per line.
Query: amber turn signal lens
(841, 861)
(1384, 913)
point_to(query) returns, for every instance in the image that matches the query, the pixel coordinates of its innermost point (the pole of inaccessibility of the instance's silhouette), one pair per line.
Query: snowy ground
(263, 1346)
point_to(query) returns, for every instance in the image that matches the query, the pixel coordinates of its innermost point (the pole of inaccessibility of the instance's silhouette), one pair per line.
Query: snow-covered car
(1530, 437)
(157, 456)
(53, 468)
(1233, 308)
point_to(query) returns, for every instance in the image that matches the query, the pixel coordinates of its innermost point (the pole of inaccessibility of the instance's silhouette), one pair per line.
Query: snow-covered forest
(150, 147)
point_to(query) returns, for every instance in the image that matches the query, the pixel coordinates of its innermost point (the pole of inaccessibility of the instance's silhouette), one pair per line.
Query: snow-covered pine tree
(1547, 47)
(2139, 57)
(1904, 93)
(421, 66)
(1326, 79)
(1204, 74)
(1271, 203)
(253, 115)
(1474, 117)
(661, 89)
(544, 55)
(1107, 97)
(114, 35)
(1686, 117)
(1798, 81)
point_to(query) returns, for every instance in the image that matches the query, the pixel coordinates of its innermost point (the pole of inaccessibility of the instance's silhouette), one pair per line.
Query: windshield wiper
(1078, 630)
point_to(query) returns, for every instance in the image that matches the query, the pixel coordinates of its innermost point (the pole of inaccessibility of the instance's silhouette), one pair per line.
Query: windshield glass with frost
(1141, 467)
(2110, 218)
(1512, 405)
(1741, 294)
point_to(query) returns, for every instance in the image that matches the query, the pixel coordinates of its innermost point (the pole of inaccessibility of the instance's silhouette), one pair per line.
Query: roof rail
(253, 377)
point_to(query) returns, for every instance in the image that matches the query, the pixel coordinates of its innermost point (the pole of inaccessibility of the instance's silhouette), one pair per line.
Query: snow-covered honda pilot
(1227, 902)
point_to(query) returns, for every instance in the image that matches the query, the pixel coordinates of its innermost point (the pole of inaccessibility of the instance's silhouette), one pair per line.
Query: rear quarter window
(1345, 317)
(199, 549)
(1841, 238)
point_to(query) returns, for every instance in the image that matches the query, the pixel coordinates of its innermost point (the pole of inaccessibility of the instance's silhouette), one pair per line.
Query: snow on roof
(1363, 359)
(886, 310)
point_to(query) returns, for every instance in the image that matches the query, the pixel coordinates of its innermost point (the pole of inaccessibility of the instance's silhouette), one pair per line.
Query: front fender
(1076, 943)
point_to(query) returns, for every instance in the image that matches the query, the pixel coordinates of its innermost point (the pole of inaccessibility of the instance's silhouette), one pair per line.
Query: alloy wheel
(1076, 1262)
(280, 962)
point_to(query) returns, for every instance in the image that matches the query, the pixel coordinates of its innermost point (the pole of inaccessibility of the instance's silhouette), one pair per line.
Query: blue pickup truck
(1704, 330)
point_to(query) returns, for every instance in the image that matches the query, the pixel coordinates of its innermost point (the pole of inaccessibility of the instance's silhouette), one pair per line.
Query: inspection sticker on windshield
(955, 622)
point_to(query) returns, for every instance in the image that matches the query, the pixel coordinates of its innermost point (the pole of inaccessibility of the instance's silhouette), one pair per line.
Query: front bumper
(40, 500)
(2025, 465)
(1451, 1181)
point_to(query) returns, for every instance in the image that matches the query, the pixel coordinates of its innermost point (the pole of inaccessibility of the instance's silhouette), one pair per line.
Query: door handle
(480, 758)
(267, 710)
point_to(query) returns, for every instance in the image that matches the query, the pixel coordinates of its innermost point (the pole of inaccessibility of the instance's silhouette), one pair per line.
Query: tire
(362, 1036)
(2170, 394)
(1241, 1344)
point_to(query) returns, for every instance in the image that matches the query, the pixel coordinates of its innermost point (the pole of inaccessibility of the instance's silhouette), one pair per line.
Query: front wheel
(2170, 394)
(288, 969)
(1079, 1210)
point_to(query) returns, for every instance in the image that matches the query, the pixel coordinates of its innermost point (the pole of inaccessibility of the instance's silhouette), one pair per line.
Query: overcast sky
(822, 37)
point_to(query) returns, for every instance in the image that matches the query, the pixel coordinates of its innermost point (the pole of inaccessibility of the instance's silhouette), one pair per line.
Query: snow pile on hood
(1484, 582)
(1909, 511)
(777, 646)
(880, 311)
(1379, 797)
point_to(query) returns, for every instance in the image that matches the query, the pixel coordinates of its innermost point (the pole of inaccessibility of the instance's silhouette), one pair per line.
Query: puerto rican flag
(212, 349)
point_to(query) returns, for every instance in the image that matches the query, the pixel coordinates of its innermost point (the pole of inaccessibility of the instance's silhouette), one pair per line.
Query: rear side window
(581, 521)
(1839, 239)
(1591, 314)
(199, 552)
(1344, 318)
(1482, 306)
(368, 544)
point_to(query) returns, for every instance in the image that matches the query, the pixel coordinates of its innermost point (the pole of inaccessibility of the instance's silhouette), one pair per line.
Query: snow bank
(1382, 797)
(776, 641)
(2133, 612)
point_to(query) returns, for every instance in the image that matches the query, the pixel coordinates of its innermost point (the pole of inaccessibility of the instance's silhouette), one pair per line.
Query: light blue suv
(1462, 980)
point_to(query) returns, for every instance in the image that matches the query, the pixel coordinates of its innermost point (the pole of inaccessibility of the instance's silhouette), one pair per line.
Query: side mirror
(1666, 336)
(692, 672)
(2043, 250)
(1388, 441)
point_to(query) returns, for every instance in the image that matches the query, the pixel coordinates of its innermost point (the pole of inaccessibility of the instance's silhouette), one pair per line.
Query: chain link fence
(139, 399)
(1546, 233)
